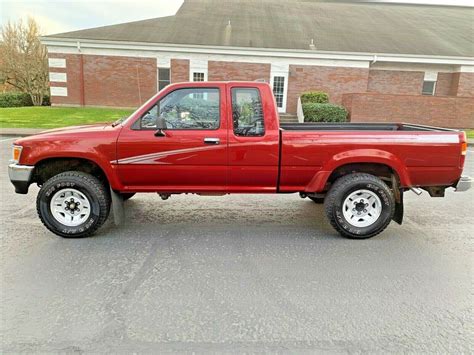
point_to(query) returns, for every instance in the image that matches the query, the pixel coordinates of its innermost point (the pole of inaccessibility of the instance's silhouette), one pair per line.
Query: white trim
(163, 62)
(58, 77)
(431, 76)
(58, 91)
(198, 66)
(466, 68)
(280, 69)
(258, 52)
(213, 57)
(57, 62)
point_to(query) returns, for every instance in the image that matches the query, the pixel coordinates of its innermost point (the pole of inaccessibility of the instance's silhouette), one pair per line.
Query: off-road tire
(88, 185)
(318, 200)
(342, 188)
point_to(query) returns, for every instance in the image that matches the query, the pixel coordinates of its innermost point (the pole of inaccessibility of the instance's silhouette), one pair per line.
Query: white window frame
(280, 70)
(430, 76)
(198, 66)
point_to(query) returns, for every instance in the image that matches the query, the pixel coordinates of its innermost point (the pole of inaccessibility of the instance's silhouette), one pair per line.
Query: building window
(279, 89)
(429, 87)
(163, 78)
(198, 76)
(247, 113)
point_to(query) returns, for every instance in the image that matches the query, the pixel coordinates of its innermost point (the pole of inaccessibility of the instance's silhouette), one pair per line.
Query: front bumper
(464, 184)
(20, 177)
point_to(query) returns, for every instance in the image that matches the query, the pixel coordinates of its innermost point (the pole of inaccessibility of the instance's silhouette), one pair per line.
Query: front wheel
(359, 206)
(73, 204)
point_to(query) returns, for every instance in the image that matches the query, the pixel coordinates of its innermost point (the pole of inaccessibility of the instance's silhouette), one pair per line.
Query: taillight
(463, 148)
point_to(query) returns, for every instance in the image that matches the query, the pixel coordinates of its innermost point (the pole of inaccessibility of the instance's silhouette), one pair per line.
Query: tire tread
(97, 187)
(341, 184)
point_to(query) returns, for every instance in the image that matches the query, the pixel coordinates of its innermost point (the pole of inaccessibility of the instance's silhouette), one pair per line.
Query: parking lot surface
(243, 273)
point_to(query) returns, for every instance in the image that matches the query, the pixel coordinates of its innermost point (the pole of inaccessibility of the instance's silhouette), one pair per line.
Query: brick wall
(336, 81)
(454, 112)
(72, 71)
(118, 81)
(108, 80)
(238, 71)
(465, 84)
(179, 70)
(396, 82)
(444, 84)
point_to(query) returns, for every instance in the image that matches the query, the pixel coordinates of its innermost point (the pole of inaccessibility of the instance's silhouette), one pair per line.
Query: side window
(247, 113)
(193, 108)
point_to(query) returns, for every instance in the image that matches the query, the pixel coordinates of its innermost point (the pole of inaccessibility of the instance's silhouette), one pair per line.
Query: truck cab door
(253, 139)
(189, 154)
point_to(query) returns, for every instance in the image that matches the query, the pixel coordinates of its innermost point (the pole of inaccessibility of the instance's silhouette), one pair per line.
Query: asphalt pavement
(240, 273)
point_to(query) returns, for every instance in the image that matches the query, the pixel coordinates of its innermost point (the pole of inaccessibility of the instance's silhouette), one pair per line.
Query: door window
(193, 108)
(247, 113)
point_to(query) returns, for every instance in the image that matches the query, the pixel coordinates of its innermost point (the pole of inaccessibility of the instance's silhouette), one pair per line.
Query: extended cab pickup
(225, 137)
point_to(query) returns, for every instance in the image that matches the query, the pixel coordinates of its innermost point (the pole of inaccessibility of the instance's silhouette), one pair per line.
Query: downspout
(81, 76)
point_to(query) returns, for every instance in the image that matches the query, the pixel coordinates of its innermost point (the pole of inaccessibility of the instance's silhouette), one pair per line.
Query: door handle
(212, 140)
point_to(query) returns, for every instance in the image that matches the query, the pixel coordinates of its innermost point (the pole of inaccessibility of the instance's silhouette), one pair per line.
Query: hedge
(324, 113)
(314, 97)
(19, 99)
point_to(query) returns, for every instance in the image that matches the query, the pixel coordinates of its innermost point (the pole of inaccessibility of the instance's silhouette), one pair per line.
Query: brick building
(389, 62)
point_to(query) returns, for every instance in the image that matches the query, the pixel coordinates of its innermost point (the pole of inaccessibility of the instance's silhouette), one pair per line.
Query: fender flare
(367, 156)
(103, 164)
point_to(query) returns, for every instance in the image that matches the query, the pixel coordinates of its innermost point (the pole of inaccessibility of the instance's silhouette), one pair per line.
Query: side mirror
(160, 127)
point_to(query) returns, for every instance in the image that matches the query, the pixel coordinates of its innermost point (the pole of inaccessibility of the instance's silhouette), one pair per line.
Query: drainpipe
(81, 76)
(375, 59)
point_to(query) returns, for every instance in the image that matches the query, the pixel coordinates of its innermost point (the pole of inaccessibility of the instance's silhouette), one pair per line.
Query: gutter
(247, 51)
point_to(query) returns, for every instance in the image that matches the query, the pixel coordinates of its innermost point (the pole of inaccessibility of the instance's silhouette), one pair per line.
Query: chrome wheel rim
(362, 208)
(70, 207)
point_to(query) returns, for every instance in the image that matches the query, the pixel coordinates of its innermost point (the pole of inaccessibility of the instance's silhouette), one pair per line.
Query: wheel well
(382, 171)
(48, 168)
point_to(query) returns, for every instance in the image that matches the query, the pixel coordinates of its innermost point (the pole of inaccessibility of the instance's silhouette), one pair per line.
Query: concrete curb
(19, 131)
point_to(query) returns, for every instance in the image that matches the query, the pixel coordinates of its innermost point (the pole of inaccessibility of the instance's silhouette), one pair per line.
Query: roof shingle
(292, 24)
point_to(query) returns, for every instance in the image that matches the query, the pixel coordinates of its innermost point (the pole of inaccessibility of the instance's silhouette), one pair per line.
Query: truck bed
(361, 127)
(421, 155)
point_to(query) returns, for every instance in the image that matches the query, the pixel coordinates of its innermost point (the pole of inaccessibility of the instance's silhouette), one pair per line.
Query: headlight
(16, 153)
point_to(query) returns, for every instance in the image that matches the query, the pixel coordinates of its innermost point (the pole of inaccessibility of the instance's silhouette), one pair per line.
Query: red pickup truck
(225, 137)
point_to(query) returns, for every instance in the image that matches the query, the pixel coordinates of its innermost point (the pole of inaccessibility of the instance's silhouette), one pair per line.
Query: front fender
(101, 160)
(371, 156)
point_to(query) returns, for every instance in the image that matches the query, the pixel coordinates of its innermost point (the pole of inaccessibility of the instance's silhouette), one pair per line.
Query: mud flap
(398, 215)
(117, 207)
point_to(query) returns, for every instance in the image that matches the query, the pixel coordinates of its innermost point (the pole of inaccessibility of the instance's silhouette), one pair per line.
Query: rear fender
(374, 156)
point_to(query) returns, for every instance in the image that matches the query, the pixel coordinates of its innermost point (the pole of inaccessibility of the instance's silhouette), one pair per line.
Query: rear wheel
(73, 204)
(359, 206)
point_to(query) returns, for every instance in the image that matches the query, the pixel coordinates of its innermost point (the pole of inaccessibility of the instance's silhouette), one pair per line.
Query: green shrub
(324, 113)
(46, 101)
(20, 99)
(314, 97)
(15, 99)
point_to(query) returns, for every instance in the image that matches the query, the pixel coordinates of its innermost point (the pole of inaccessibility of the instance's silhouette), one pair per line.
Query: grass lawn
(470, 133)
(52, 117)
